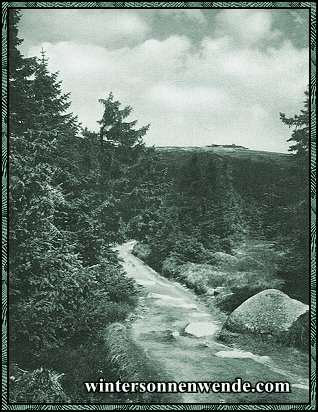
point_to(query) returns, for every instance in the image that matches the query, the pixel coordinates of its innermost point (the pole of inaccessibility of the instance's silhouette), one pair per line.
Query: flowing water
(177, 332)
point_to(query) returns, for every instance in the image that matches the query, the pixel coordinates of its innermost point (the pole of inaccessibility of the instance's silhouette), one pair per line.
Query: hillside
(225, 221)
(221, 151)
(233, 201)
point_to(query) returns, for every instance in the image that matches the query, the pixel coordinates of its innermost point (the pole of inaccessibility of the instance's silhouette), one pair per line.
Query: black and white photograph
(160, 206)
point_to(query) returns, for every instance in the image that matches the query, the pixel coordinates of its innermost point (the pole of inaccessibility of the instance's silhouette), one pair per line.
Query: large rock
(270, 312)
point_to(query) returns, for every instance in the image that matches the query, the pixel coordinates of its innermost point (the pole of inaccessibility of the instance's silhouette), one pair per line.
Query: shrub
(119, 287)
(230, 301)
(142, 251)
(68, 306)
(243, 286)
(299, 333)
(171, 266)
(37, 386)
(86, 361)
(200, 277)
(188, 249)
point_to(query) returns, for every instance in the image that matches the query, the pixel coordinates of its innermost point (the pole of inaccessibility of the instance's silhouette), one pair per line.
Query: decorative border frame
(311, 6)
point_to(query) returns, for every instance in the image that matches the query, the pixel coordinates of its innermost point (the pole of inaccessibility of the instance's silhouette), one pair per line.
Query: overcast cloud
(198, 76)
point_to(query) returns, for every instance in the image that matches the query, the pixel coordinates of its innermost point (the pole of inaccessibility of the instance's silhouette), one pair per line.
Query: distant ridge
(226, 150)
(231, 146)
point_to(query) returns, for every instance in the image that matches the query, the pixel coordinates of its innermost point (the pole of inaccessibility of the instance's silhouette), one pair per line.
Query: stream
(176, 331)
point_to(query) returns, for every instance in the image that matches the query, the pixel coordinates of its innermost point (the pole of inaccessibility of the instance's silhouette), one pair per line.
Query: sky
(198, 76)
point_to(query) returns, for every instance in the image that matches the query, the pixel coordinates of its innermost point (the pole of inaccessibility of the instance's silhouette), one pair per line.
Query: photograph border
(311, 6)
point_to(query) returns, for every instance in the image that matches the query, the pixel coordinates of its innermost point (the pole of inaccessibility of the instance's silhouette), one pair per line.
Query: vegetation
(130, 364)
(37, 386)
(300, 134)
(293, 239)
(66, 209)
(243, 216)
(205, 218)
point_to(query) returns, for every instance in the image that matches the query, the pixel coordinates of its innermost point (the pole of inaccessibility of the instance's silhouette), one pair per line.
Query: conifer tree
(21, 70)
(122, 148)
(53, 298)
(43, 267)
(300, 134)
(294, 234)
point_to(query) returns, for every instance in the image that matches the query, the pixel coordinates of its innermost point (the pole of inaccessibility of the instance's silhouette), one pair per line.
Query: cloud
(246, 26)
(187, 97)
(194, 15)
(220, 92)
(107, 28)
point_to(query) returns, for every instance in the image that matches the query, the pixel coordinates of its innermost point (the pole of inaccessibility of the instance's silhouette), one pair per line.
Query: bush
(171, 266)
(243, 286)
(188, 249)
(83, 362)
(200, 277)
(142, 251)
(70, 306)
(119, 287)
(174, 243)
(38, 386)
(299, 333)
(230, 301)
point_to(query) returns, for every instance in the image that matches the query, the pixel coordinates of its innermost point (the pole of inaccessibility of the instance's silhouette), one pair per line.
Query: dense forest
(74, 194)
(233, 203)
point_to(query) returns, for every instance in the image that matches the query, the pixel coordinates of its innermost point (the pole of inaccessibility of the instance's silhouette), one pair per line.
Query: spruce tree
(43, 267)
(294, 234)
(54, 299)
(300, 134)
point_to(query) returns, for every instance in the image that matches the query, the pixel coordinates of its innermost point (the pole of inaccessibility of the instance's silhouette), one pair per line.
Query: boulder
(269, 313)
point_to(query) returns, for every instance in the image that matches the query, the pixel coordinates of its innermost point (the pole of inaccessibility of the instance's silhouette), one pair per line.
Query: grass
(132, 365)
(293, 361)
(231, 278)
(112, 356)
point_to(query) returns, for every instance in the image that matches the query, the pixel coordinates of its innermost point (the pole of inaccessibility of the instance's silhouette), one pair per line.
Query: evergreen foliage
(294, 236)
(74, 193)
(66, 284)
(300, 134)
